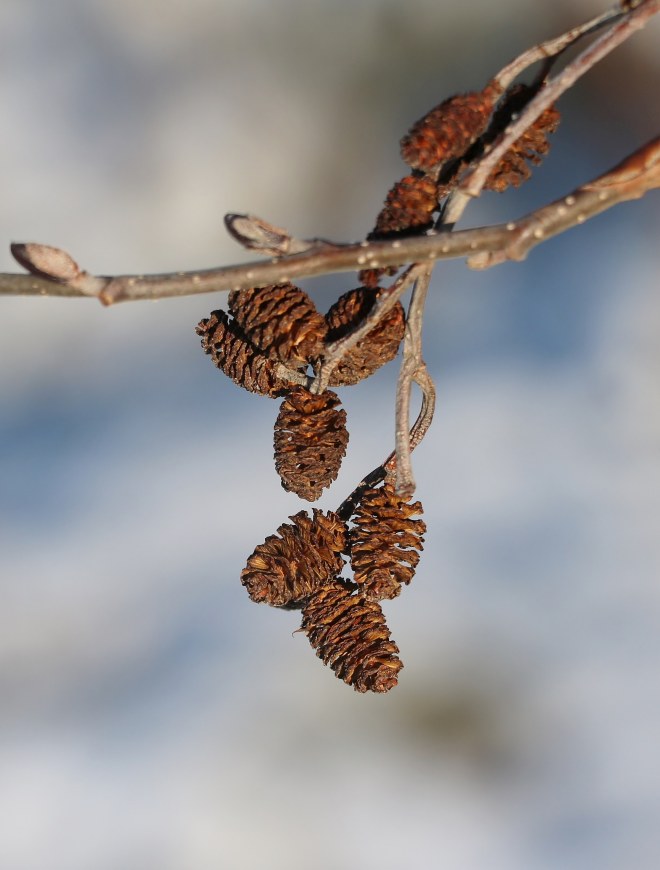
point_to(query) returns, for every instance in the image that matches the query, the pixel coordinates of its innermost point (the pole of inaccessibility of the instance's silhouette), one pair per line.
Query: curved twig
(411, 367)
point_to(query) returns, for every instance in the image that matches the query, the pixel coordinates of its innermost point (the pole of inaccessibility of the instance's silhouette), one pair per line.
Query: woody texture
(303, 556)
(235, 355)
(447, 131)
(350, 635)
(310, 441)
(281, 320)
(377, 348)
(273, 342)
(385, 542)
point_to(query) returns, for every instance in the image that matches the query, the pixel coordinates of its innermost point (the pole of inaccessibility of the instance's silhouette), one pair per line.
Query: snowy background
(151, 716)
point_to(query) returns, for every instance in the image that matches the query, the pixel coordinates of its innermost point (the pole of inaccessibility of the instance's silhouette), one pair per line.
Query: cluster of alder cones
(273, 330)
(272, 341)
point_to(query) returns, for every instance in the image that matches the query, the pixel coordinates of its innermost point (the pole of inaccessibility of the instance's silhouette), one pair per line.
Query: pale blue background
(150, 715)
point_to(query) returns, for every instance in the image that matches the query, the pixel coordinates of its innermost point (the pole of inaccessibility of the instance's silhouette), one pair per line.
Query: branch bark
(631, 179)
(55, 273)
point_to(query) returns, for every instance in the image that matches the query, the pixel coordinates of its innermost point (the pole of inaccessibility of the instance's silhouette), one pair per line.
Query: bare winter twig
(295, 258)
(413, 370)
(326, 257)
(476, 176)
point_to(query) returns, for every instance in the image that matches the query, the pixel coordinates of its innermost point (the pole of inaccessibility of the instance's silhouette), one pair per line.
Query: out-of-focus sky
(151, 716)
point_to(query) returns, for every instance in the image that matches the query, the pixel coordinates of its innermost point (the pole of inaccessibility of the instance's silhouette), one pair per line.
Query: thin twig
(475, 177)
(318, 257)
(552, 48)
(419, 428)
(328, 258)
(630, 179)
(412, 363)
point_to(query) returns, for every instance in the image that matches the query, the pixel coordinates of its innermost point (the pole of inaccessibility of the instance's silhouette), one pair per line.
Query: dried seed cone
(350, 635)
(301, 557)
(281, 320)
(385, 542)
(378, 347)
(409, 205)
(448, 130)
(240, 360)
(513, 169)
(310, 441)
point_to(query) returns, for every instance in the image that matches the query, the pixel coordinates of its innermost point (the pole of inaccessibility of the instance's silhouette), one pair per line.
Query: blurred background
(151, 716)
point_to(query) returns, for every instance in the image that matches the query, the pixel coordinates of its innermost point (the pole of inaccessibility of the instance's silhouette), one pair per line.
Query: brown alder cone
(310, 441)
(447, 131)
(385, 541)
(281, 320)
(531, 147)
(349, 633)
(292, 564)
(378, 347)
(409, 205)
(240, 360)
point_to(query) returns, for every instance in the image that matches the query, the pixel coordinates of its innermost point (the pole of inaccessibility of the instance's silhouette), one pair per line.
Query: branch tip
(46, 261)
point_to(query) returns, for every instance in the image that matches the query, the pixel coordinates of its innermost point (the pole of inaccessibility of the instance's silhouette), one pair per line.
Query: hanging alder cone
(378, 347)
(240, 360)
(300, 558)
(385, 541)
(409, 205)
(409, 208)
(531, 147)
(350, 635)
(447, 131)
(310, 441)
(281, 320)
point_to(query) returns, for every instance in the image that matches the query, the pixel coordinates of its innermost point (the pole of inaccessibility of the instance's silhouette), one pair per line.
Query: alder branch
(388, 468)
(325, 257)
(55, 273)
(475, 177)
(630, 179)
(551, 49)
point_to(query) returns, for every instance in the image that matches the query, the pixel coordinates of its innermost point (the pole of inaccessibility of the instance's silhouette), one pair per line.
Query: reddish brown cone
(240, 360)
(281, 320)
(349, 633)
(378, 347)
(513, 169)
(300, 558)
(310, 441)
(447, 131)
(385, 542)
(409, 205)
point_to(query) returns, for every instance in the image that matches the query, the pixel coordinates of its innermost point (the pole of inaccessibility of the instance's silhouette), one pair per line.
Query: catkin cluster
(273, 342)
(441, 144)
(300, 567)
